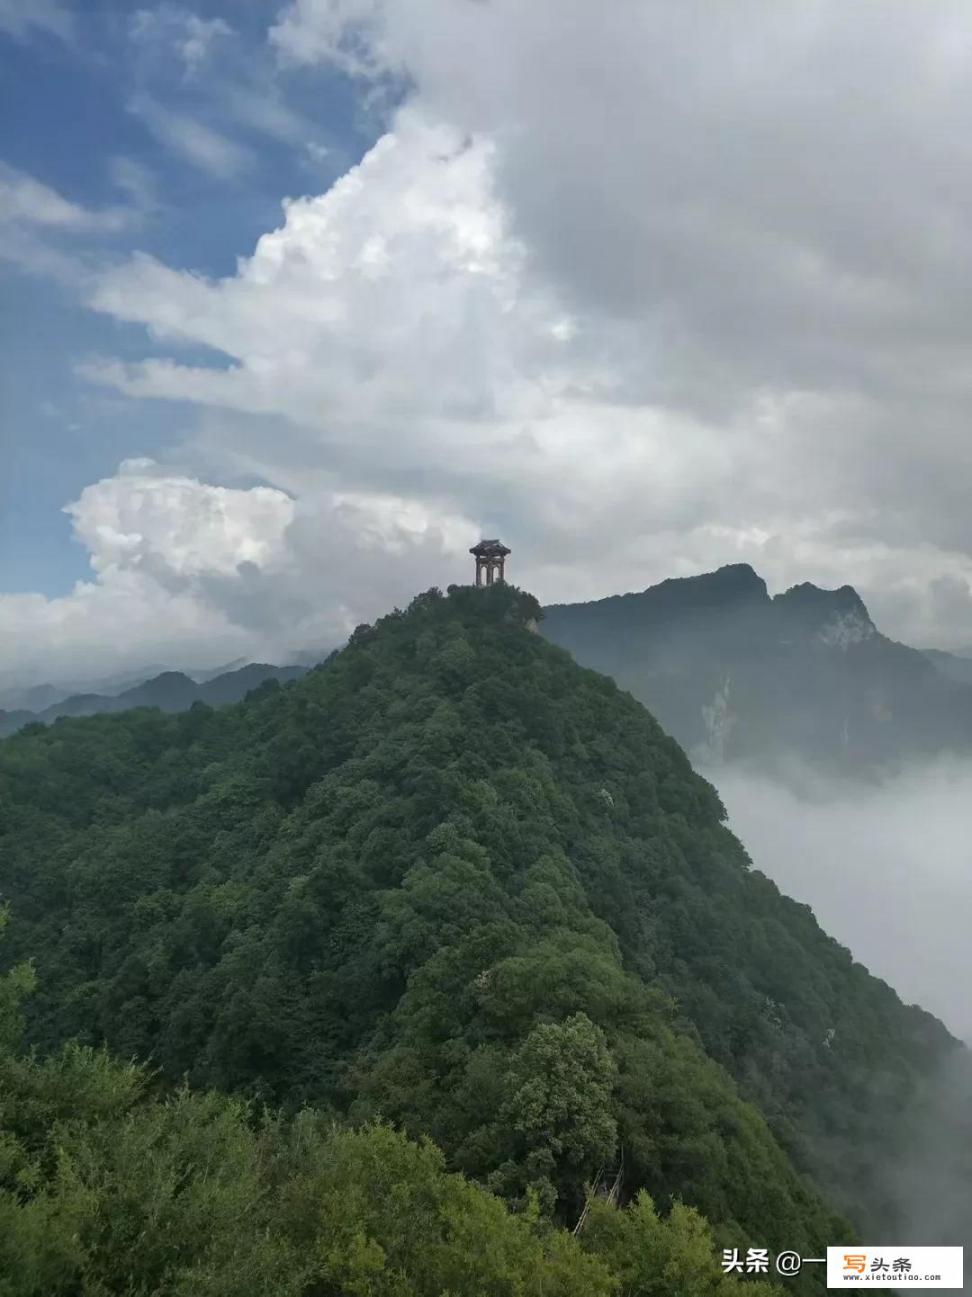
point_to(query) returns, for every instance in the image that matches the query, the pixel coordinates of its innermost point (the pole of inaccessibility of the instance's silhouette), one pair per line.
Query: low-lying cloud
(887, 870)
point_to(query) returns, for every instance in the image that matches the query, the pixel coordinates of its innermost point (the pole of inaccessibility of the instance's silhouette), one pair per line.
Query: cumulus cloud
(176, 526)
(653, 290)
(644, 291)
(346, 33)
(187, 572)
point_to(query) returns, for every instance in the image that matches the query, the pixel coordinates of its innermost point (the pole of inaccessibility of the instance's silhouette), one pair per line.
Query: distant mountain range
(171, 691)
(731, 672)
(736, 675)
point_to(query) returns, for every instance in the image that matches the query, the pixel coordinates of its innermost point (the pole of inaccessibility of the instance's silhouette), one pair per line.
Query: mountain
(201, 676)
(451, 878)
(38, 698)
(172, 691)
(33, 698)
(734, 674)
(955, 666)
(12, 721)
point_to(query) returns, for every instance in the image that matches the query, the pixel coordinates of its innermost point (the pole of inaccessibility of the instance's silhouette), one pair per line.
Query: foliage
(108, 1188)
(451, 880)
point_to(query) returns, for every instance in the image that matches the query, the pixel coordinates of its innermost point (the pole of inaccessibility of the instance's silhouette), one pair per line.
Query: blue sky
(302, 297)
(92, 106)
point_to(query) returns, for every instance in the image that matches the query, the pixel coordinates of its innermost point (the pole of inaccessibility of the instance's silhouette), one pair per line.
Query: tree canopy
(452, 881)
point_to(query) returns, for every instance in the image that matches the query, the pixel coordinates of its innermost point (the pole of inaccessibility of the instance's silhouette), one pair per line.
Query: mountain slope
(736, 675)
(453, 878)
(952, 665)
(109, 1186)
(172, 691)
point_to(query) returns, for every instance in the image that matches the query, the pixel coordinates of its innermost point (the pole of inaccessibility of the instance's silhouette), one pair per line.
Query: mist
(886, 869)
(888, 872)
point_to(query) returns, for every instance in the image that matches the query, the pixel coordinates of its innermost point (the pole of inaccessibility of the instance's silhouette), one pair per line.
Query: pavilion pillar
(490, 558)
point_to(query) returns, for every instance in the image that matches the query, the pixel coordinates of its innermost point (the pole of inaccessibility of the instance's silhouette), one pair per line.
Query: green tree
(656, 1257)
(559, 1107)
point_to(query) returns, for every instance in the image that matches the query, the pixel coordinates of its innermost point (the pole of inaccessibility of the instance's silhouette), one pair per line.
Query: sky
(302, 298)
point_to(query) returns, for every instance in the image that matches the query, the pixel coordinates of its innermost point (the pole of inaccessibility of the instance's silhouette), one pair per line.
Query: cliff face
(736, 675)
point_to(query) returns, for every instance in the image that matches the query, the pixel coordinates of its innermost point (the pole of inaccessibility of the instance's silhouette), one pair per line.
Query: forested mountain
(736, 675)
(451, 879)
(172, 691)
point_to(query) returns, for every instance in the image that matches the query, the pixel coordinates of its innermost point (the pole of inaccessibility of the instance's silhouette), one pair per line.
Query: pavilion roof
(489, 549)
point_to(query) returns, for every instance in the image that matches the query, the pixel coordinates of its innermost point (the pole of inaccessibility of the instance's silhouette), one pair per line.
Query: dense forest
(110, 1185)
(448, 887)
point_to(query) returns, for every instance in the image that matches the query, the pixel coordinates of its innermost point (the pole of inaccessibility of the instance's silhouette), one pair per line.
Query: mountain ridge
(171, 691)
(735, 674)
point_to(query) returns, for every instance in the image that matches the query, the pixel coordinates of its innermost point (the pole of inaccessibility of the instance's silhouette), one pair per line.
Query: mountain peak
(734, 580)
(835, 618)
(732, 583)
(735, 675)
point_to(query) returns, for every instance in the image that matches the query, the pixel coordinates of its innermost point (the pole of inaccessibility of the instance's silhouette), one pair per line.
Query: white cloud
(177, 527)
(199, 144)
(157, 543)
(192, 38)
(200, 85)
(397, 323)
(644, 291)
(27, 201)
(187, 572)
(42, 229)
(20, 18)
(346, 33)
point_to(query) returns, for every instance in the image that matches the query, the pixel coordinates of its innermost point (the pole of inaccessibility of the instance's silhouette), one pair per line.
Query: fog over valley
(886, 869)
